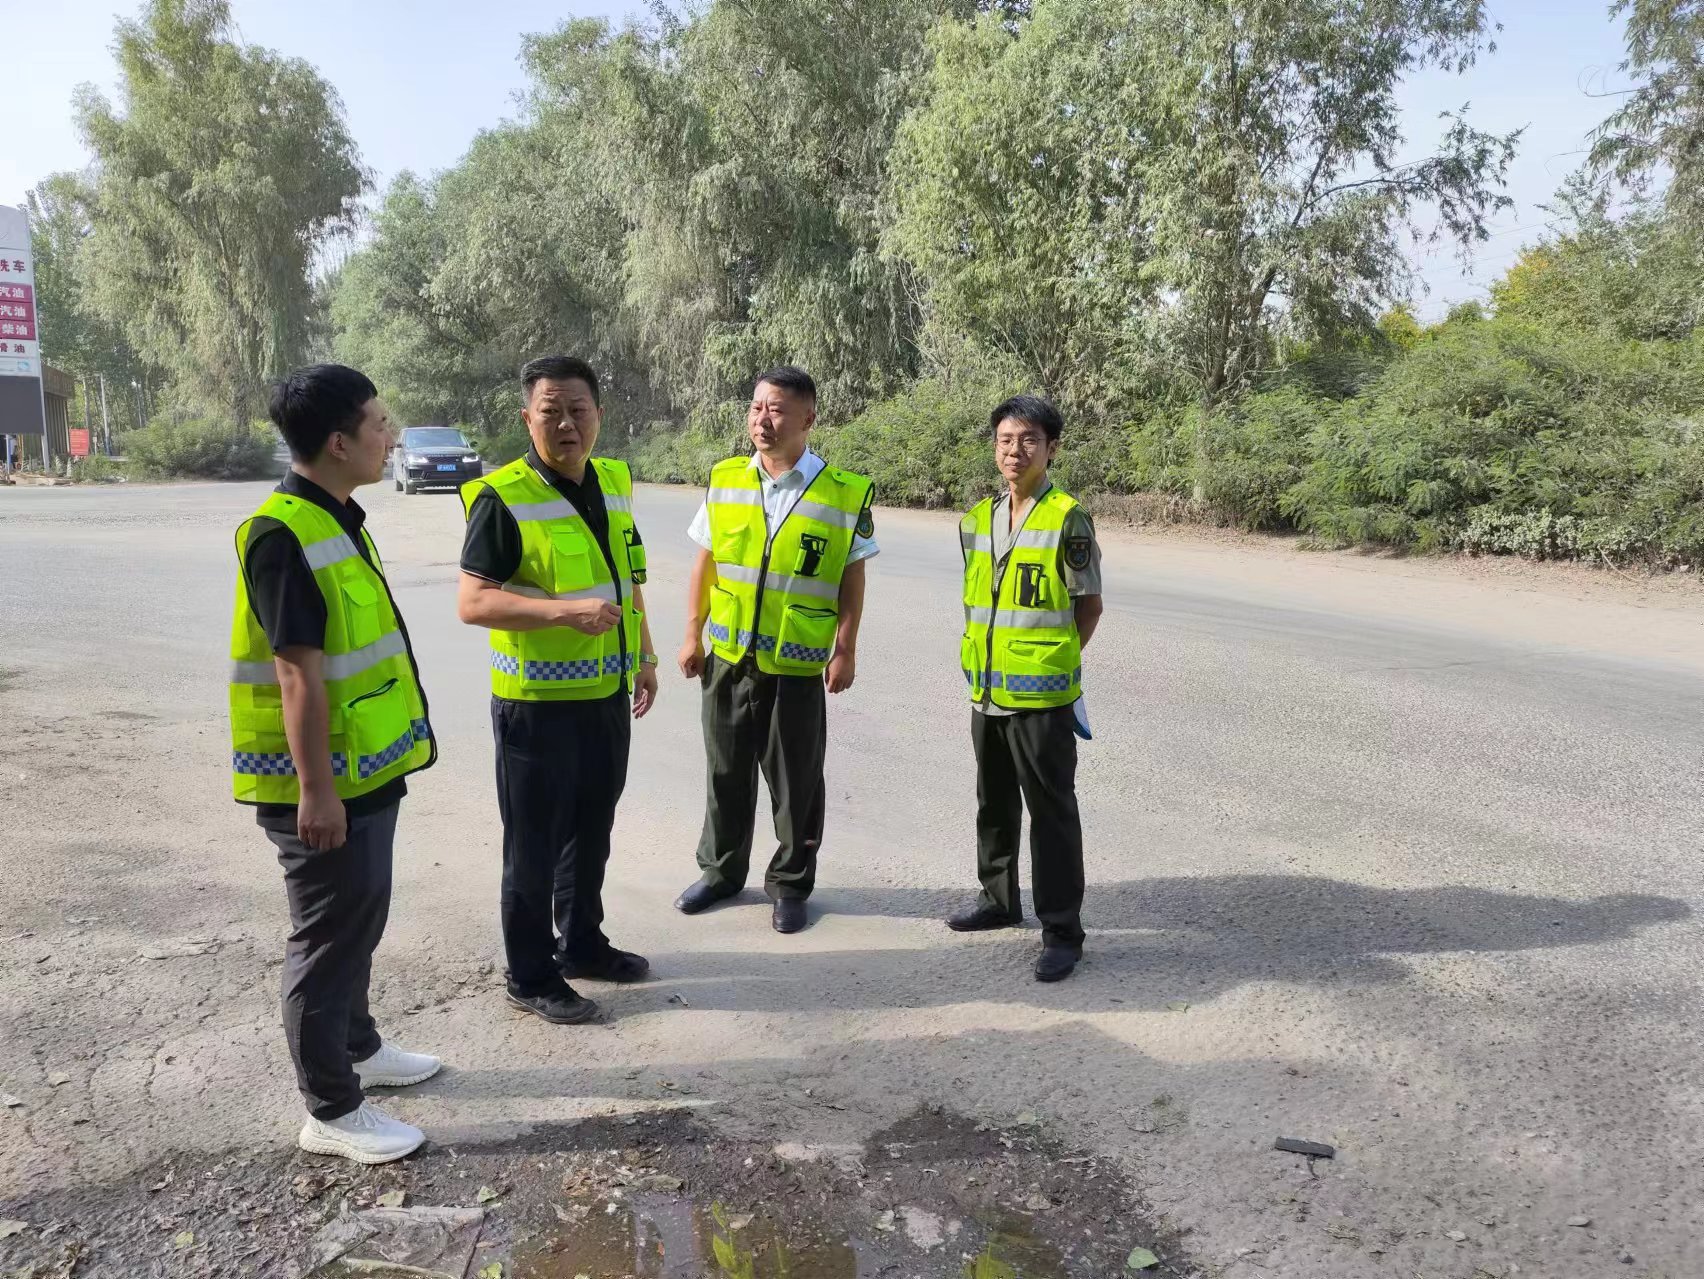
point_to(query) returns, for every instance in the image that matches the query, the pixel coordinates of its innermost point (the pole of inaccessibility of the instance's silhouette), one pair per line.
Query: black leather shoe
(702, 896)
(789, 914)
(612, 965)
(980, 919)
(1056, 963)
(560, 1008)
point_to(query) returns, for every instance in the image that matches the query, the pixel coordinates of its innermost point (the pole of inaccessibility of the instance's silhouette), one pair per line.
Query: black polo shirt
(290, 607)
(491, 548)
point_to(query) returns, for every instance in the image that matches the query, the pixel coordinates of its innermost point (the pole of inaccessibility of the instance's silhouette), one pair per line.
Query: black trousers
(1030, 759)
(779, 724)
(561, 768)
(339, 901)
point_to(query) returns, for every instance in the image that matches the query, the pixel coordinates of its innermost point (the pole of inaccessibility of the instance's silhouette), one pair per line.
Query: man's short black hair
(789, 377)
(558, 368)
(311, 405)
(1031, 410)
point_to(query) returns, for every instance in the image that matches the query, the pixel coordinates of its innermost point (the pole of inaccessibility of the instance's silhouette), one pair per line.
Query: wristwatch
(649, 659)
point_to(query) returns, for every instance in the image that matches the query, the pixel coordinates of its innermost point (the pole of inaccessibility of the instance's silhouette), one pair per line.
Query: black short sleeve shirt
(491, 547)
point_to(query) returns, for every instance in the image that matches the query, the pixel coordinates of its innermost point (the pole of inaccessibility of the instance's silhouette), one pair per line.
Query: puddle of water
(652, 1236)
(657, 1236)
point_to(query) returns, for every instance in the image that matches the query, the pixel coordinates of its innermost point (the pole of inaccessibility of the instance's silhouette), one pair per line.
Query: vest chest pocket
(570, 560)
(360, 611)
(378, 730)
(728, 541)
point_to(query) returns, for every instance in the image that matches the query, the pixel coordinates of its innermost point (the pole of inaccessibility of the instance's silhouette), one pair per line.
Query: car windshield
(429, 437)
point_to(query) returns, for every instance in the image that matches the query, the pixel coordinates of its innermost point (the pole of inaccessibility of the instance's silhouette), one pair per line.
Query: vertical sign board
(23, 411)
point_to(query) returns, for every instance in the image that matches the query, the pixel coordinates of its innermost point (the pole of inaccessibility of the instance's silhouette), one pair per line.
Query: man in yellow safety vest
(552, 564)
(327, 719)
(778, 587)
(1032, 600)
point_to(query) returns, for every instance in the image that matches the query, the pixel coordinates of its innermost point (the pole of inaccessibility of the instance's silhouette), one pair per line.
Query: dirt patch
(656, 1196)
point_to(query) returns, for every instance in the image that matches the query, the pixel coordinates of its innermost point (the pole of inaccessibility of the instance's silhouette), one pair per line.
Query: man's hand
(644, 690)
(321, 822)
(691, 657)
(589, 617)
(842, 670)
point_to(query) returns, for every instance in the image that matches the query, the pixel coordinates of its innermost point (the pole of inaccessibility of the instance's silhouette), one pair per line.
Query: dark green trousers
(777, 723)
(1030, 759)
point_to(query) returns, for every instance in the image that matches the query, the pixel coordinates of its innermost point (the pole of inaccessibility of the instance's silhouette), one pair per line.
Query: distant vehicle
(433, 457)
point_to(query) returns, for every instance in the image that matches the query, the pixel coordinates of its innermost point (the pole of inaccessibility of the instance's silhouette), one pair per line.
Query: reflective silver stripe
(974, 542)
(1029, 619)
(824, 514)
(779, 582)
(601, 591)
(337, 666)
(622, 504)
(539, 512)
(343, 665)
(333, 550)
(1036, 539)
(802, 586)
(253, 673)
(737, 573)
(734, 497)
(1019, 619)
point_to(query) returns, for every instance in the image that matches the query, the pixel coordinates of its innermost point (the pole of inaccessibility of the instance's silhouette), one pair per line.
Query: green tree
(1660, 128)
(1010, 203)
(1400, 327)
(756, 138)
(74, 337)
(1245, 154)
(221, 172)
(1633, 273)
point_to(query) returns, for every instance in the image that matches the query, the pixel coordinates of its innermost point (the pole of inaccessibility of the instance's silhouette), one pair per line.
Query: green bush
(927, 446)
(501, 447)
(201, 449)
(663, 455)
(97, 468)
(1500, 437)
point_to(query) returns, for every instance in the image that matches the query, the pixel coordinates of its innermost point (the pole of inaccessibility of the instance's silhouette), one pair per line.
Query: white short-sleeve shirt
(779, 495)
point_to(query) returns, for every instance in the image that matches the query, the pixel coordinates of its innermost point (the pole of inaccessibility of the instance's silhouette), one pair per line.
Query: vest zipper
(608, 559)
(768, 549)
(999, 579)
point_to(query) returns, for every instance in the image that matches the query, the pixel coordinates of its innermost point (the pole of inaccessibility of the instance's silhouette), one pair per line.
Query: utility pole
(106, 424)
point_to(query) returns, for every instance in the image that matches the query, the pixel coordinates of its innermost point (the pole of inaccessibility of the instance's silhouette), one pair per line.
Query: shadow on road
(1156, 940)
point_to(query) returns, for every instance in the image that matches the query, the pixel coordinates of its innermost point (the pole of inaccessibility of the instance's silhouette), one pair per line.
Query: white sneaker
(392, 1068)
(367, 1135)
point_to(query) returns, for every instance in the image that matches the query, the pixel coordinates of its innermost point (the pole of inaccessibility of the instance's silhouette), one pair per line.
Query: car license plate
(451, 467)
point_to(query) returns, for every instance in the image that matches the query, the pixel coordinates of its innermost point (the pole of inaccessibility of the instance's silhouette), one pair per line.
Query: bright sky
(421, 77)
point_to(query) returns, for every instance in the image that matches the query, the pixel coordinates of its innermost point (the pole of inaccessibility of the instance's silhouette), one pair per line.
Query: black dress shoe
(979, 919)
(611, 965)
(702, 896)
(1056, 963)
(560, 1007)
(789, 914)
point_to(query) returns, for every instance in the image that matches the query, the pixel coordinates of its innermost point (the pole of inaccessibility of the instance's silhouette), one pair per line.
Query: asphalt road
(1399, 857)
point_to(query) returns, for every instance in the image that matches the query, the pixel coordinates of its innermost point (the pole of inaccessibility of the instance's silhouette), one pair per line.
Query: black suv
(433, 457)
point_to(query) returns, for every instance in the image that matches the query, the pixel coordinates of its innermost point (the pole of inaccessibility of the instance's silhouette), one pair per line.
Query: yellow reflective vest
(561, 560)
(1020, 647)
(377, 711)
(777, 594)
